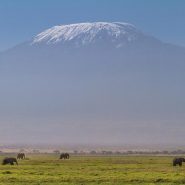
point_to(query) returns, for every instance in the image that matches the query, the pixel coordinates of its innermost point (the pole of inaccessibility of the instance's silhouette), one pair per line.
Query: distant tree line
(109, 152)
(130, 152)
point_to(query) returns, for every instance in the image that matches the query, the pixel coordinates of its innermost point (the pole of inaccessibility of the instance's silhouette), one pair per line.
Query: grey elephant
(64, 156)
(10, 160)
(178, 161)
(20, 156)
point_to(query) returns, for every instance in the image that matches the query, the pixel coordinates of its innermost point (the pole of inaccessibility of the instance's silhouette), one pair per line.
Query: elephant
(64, 156)
(20, 156)
(178, 161)
(10, 160)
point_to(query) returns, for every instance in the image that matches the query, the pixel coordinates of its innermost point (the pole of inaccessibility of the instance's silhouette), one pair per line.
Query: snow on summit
(88, 33)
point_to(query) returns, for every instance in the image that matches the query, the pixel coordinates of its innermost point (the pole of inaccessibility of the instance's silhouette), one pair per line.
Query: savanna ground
(47, 169)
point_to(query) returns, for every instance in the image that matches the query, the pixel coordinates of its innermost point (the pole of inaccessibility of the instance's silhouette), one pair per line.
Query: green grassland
(47, 169)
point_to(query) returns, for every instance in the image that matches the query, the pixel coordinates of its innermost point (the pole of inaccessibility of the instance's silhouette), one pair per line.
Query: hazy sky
(20, 20)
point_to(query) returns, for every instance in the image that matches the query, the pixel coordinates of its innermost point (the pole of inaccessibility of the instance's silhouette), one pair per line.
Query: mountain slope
(93, 83)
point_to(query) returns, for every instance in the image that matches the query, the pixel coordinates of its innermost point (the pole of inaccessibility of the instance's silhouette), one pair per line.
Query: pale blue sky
(20, 19)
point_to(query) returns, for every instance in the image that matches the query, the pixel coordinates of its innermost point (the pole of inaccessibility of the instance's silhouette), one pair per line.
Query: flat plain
(47, 169)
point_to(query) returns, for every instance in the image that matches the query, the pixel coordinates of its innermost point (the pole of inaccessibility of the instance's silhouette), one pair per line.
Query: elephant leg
(11, 163)
(180, 164)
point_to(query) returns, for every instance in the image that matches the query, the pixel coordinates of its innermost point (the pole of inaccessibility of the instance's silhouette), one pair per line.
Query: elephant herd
(13, 160)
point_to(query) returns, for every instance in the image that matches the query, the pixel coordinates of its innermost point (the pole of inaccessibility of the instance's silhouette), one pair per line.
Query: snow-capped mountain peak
(117, 33)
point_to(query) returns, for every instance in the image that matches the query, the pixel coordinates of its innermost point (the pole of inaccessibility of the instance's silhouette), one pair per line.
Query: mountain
(94, 83)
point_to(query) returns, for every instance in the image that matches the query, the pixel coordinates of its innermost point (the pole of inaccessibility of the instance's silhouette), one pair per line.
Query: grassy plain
(47, 169)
